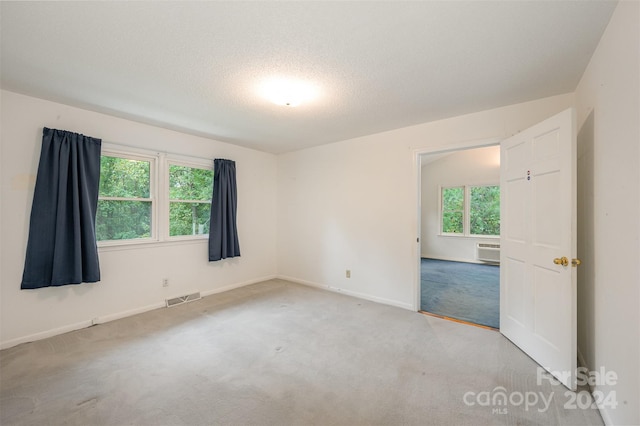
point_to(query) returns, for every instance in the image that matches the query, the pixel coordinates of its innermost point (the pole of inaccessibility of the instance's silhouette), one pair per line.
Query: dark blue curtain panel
(62, 247)
(223, 233)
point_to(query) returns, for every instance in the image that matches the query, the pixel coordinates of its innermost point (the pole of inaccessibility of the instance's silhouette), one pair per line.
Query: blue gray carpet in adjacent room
(465, 291)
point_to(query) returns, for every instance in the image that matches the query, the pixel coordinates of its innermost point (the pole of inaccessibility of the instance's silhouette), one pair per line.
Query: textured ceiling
(196, 66)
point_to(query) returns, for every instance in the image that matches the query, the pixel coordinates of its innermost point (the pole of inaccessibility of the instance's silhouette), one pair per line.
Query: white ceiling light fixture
(288, 91)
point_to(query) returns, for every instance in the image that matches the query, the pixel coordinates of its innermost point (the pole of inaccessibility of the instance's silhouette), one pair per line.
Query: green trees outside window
(453, 210)
(124, 203)
(471, 210)
(130, 187)
(190, 191)
(484, 211)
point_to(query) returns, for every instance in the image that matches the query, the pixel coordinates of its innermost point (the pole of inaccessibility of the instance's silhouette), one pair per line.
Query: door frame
(417, 175)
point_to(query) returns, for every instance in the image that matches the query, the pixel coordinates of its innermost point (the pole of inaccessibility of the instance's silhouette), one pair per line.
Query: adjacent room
(460, 235)
(221, 212)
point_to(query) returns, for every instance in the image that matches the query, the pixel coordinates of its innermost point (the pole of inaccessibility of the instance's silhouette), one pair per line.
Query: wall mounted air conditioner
(488, 252)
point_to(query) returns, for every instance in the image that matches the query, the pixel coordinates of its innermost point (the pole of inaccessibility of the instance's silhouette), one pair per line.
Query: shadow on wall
(586, 241)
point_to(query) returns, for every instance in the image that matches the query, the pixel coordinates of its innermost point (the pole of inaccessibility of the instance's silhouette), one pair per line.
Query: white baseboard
(124, 314)
(359, 295)
(44, 334)
(603, 411)
(115, 316)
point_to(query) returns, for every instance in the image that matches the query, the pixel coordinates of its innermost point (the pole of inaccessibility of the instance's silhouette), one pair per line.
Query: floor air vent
(183, 299)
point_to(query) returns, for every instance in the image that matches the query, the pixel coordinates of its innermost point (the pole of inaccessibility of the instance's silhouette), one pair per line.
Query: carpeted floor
(465, 291)
(278, 353)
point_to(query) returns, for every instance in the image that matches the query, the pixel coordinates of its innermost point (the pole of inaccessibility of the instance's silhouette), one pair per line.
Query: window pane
(452, 199)
(123, 220)
(452, 222)
(190, 183)
(189, 218)
(485, 210)
(122, 177)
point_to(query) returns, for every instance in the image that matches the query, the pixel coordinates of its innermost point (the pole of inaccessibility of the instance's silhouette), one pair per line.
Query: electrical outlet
(165, 282)
(348, 273)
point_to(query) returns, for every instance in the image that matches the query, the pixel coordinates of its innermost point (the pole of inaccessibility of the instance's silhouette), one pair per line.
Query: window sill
(474, 237)
(135, 245)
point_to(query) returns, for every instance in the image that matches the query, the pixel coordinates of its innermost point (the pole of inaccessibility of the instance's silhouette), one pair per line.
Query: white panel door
(538, 230)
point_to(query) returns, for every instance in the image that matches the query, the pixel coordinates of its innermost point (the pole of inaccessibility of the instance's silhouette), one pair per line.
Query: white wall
(132, 277)
(353, 204)
(608, 105)
(478, 166)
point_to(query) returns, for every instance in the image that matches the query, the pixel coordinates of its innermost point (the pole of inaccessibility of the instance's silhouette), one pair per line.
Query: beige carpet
(277, 353)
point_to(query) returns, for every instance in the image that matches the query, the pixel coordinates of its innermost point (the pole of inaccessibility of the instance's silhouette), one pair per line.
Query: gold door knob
(576, 262)
(561, 261)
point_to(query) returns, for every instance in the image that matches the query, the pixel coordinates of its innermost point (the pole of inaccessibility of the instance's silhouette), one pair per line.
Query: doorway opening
(460, 235)
(537, 238)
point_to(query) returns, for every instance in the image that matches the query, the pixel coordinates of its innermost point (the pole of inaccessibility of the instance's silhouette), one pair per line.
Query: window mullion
(162, 209)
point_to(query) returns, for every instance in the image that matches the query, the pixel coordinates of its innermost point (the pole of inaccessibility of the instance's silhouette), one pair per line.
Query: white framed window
(189, 193)
(470, 210)
(127, 198)
(152, 197)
